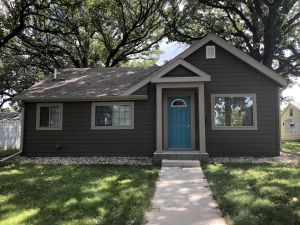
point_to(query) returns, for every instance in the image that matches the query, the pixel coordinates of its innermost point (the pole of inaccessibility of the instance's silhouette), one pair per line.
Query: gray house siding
(77, 138)
(180, 71)
(229, 75)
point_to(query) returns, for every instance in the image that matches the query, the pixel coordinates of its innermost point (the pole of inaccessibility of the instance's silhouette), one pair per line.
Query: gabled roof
(227, 46)
(201, 76)
(295, 104)
(157, 76)
(86, 83)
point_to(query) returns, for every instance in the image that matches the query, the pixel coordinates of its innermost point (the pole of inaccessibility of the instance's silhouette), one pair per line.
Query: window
(210, 52)
(234, 111)
(112, 115)
(49, 116)
(291, 112)
(178, 103)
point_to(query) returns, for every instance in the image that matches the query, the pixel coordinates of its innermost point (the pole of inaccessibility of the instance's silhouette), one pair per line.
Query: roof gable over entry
(280, 81)
(198, 75)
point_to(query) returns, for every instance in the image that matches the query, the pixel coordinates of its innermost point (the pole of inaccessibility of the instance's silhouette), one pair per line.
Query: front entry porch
(178, 135)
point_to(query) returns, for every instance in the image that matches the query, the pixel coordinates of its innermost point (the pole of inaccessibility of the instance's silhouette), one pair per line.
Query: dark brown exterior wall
(230, 75)
(77, 138)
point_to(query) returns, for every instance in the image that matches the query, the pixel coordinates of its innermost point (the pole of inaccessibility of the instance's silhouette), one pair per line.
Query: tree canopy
(269, 31)
(37, 36)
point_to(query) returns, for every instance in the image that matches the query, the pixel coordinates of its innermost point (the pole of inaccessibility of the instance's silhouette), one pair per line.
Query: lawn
(5, 153)
(75, 194)
(291, 146)
(256, 194)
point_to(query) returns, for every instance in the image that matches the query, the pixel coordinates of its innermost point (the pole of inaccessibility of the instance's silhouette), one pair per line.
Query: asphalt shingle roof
(87, 82)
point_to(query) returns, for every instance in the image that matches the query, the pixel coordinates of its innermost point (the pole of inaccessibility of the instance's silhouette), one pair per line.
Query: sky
(170, 50)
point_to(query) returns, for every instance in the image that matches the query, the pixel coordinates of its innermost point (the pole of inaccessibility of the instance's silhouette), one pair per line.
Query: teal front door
(179, 122)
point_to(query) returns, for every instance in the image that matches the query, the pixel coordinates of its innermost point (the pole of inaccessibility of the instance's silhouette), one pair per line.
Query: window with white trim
(49, 116)
(210, 52)
(112, 115)
(234, 111)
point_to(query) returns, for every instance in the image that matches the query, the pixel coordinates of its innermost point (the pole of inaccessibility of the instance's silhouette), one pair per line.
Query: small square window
(49, 116)
(210, 52)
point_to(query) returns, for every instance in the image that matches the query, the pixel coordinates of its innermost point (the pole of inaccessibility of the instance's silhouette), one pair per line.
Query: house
(10, 130)
(290, 122)
(212, 99)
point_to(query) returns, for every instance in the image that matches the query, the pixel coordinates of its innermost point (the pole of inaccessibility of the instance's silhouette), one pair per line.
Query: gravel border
(283, 158)
(132, 161)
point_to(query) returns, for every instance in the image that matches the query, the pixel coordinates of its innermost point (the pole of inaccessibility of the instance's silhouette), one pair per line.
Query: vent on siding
(210, 52)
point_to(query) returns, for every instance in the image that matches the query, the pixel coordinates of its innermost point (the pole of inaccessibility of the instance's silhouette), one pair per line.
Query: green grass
(5, 153)
(291, 146)
(75, 194)
(256, 194)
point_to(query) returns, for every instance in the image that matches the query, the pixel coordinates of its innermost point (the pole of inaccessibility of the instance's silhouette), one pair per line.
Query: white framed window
(234, 111)
(112, 115)
(210, 52)
(49, 116)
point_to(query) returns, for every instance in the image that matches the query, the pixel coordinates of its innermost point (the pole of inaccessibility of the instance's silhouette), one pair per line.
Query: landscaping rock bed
(283, 158)
(134, 161)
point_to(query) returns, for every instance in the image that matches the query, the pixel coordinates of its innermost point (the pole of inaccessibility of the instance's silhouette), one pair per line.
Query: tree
(269, 31)
(15, 15)
(75, 33)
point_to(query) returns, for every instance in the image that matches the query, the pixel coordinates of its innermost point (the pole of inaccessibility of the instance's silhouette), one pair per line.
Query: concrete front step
(180, 163)
(179, 155)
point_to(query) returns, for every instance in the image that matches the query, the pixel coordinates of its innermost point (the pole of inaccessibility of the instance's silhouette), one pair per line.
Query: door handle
(189, 125)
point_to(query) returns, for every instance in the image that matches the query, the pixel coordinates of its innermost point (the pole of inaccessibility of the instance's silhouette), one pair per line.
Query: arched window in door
(178, 103)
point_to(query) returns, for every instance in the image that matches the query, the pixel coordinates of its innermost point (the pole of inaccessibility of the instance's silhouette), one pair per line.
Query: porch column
(202, 144)
(159, 119)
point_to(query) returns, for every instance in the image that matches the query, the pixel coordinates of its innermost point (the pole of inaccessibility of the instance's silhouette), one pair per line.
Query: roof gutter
(81, 99)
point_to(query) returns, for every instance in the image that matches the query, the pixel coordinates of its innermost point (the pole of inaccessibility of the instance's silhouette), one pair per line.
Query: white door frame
(159, 112)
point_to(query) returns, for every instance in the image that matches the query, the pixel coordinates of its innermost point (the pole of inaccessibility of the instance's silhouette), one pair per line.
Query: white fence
(10, 134)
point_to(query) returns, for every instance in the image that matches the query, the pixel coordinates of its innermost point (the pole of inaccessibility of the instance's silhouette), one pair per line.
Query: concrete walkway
(183, 197)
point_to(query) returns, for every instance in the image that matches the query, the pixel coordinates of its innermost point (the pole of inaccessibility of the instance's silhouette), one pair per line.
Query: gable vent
(210, 52)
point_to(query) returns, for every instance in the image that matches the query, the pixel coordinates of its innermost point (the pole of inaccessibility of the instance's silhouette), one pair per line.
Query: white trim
(156, 77)
(207, 49)
(81, 99)
(180, 79)
(178, 106)
(213, 126)
(201, 105)
(39, 105)
(222, 43)
(93, 107)
(159, 112)
(159, 118)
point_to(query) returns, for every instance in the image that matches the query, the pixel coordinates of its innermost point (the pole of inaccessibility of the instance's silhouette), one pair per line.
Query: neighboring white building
(290, 122)
(10, 130)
